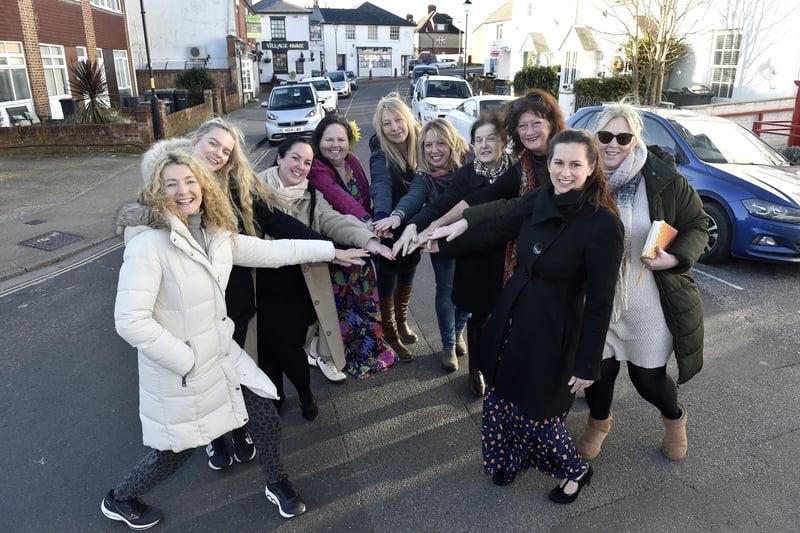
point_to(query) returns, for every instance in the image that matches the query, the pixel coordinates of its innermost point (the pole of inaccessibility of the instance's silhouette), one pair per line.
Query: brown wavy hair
(595, 191)
(217, 209)
(540, 103)
(237, 177)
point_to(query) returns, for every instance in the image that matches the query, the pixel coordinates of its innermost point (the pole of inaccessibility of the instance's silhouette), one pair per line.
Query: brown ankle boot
(591, 438)
(675, 444)
(449, 359)
(476, 382)
(390, 330)
(402, 296)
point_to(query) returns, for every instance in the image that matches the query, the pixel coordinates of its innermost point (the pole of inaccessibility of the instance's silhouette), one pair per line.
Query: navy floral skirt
(356, 294)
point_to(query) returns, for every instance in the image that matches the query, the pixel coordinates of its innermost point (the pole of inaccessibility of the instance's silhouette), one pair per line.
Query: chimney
(431, 8)
(410, 18)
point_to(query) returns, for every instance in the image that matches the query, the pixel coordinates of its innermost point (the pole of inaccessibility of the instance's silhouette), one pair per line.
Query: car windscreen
(447, 89)
(294, 98)
(493, 106)
(336, 75)
(715, 141)
(322, 85)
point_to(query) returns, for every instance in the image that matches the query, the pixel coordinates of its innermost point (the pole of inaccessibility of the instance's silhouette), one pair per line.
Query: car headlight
(270, 116)
(431, 107)
(311, 113)
(772, 211)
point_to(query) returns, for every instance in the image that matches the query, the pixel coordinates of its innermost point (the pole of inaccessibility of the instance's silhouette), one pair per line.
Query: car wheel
(718, 247)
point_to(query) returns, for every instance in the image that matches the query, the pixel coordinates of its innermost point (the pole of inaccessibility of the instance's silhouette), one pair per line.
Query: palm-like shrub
(89, 85)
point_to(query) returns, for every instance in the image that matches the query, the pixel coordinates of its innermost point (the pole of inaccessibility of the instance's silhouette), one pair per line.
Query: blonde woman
(440, 152)
(392, 163)
(195, 383)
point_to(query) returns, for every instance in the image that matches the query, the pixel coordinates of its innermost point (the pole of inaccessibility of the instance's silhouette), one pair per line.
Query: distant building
(37, 49)
(436, 36)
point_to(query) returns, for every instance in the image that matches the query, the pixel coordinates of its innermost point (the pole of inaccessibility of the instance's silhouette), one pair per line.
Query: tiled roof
(365, 14)
(277, 6)
(502, 13)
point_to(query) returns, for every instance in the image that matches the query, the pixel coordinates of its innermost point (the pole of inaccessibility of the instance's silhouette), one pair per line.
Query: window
(55, 69)
(498, 32)
(82, 54)
(315, 32)
(299, 67)
(277, 28)
(372, 33)
(13, 74)
(247, 76)
(724, 63)
(350, 32)
(530, 8)
(121, 66)
(111, 5)
(280, 64)
(369, 58)
(441, 27)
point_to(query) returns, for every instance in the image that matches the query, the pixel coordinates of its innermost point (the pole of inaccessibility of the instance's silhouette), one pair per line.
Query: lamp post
(467, 5)
(157, 130)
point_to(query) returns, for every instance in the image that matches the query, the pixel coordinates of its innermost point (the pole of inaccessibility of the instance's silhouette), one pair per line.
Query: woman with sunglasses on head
(544, 340)
(657, 308)
(392, 162)
(478, 277)
(441, 151)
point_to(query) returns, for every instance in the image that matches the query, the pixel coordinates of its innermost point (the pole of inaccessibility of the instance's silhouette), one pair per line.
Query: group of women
(536, 260)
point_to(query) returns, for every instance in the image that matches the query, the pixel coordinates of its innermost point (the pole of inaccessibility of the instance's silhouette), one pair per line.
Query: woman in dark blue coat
(544, 341)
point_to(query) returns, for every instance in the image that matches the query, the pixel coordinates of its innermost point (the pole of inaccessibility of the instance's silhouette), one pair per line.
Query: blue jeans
(451, 319)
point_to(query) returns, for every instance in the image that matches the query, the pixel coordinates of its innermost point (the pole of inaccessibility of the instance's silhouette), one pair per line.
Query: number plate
(297, 129)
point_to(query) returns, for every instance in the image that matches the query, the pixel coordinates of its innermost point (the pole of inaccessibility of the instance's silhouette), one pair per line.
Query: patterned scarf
(623, 183)
(528, 182)
(491, 174)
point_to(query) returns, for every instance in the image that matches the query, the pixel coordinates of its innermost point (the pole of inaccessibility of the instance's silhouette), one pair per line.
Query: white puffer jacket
(171, 306)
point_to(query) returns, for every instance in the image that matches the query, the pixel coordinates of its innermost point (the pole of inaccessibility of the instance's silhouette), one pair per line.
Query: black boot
(476, 382)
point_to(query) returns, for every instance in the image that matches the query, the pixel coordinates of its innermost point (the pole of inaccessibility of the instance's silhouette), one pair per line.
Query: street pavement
(400, 451)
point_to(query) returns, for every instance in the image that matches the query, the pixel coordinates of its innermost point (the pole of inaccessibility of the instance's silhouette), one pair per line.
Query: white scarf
(623, 182)
(292, 194)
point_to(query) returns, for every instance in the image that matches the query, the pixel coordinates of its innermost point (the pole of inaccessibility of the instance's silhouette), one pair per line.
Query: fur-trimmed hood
(135, 215)
(156, 153)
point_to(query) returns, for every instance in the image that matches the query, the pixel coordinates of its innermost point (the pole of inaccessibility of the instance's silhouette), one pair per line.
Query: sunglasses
(526, 100)
(623, 139)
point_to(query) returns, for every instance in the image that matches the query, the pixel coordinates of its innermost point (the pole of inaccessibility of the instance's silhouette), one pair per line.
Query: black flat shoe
(499, 478)
(310, 410)
(476, 383)
(558, 495)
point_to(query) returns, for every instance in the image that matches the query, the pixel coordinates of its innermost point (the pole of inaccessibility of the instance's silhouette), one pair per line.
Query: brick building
(41, 39)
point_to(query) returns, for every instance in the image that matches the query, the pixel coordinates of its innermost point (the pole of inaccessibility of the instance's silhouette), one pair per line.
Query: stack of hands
(410, 240)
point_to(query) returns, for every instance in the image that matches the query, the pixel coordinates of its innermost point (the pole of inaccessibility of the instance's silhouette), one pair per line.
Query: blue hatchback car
(749, 190)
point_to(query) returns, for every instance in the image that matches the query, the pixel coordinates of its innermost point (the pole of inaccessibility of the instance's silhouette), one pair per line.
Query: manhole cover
(51, 241)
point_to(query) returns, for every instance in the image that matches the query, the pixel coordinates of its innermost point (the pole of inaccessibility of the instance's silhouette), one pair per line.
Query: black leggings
(652, 384)
(264, 427)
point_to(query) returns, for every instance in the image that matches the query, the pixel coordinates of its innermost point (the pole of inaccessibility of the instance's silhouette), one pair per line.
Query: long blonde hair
(393, 103)
(217, 209)
(445, 131)
(237, 177)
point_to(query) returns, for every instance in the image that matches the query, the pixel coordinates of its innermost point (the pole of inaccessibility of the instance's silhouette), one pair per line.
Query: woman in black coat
(544, 341)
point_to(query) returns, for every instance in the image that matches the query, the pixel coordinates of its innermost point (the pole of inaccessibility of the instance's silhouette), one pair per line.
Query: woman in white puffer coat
(195, 383)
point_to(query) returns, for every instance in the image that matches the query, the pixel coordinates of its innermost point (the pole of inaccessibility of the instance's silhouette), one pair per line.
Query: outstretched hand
(351, 256)
(406, 240)
(375, 247)
(449, 232)
(383, 228)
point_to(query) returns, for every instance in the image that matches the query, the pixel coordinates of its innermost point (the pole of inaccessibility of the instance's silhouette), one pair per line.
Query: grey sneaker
(328, 369)
(135, 513)
(285, 497)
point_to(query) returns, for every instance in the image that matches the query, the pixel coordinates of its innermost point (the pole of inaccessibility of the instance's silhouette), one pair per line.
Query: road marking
(738, 288)
(64, 270)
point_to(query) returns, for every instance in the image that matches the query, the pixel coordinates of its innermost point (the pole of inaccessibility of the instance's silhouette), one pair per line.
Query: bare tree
(656, 31)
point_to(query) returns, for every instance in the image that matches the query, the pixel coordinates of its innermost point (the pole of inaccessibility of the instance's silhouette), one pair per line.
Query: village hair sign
(283, 46)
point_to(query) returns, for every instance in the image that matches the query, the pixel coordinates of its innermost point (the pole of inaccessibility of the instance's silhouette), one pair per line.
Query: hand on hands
(662, 261)
(406, 240)
(579, 384)
(375, 247)
(384, 227)
(351, 256)
(449, 232)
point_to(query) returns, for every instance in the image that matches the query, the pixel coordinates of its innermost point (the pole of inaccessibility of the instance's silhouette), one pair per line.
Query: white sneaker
(328, 369)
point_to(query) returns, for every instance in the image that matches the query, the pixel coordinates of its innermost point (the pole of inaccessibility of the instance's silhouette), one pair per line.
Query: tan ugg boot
(675, 444)
(389, 328)
(591, 438)
(461, 345)
(402, 297)
(449, 359)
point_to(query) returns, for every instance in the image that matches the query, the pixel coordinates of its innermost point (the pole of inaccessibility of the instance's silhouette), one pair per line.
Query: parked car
(435, 96)
(463, 116)
(749, 190)
(418, 72)
(352, 78)
(340, 82)
(327, 94)
(292, 109)
(444, 63)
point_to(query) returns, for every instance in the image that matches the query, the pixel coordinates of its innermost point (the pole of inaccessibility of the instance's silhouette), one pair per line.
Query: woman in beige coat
(195, 383)
(291, 312)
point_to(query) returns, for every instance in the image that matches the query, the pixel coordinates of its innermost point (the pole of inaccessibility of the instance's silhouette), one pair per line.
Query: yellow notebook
(660, 234)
